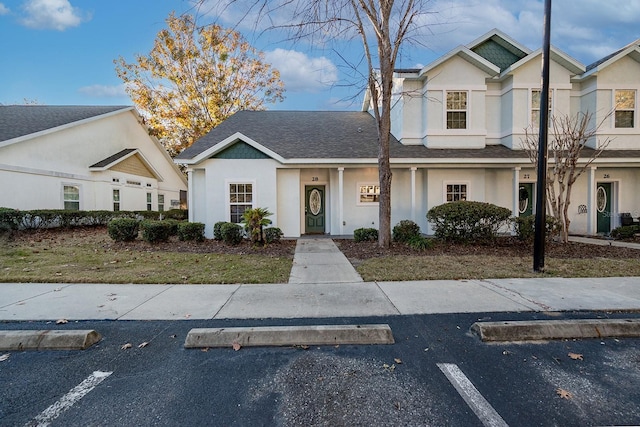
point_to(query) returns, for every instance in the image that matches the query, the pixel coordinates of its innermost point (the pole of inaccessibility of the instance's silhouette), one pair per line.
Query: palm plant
(254, 220)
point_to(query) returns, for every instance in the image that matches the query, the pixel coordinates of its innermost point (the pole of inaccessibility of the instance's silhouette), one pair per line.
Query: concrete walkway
(323, 284)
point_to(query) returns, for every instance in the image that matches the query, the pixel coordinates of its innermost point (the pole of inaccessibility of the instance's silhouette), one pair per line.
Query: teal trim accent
(497, 54)
(240, 150)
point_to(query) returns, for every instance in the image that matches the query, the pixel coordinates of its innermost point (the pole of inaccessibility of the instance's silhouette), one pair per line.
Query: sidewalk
(323, 284)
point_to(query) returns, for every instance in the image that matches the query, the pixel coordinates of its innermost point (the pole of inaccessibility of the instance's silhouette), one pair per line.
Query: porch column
(591, 200)
(516, 194)
(190, 194)
(341, 200)
(413, 193)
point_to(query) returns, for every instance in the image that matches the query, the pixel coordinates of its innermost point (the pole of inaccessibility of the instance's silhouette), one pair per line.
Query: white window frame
(448, 110)
(160, 202)
(536, 124)
(63, 195)
(116, 200)
(445, 192)
(228, 203)
(149, 201)
(370, 186)
(633, 110)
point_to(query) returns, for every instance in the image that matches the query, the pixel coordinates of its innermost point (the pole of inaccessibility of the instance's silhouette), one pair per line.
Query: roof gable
(499, 51)
(632, 50)
(240, 150)
(129, 161)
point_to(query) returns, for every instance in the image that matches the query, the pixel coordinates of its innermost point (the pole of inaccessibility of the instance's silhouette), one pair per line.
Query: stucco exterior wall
(41, 166)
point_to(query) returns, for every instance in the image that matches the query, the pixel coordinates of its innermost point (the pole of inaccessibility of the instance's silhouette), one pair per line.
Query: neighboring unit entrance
(603, 206)
(314, 209)
(525, 199)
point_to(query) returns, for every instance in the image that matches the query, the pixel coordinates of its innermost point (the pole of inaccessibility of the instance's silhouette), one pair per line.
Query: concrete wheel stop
(541, 330)
(20, 340)
(289, 336)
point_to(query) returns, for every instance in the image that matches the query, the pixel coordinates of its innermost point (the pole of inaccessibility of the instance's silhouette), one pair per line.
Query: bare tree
(383, 26)
(569, 137)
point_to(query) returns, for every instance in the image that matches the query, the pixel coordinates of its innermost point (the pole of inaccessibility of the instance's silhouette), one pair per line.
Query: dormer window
(456, 109)
(625, 108)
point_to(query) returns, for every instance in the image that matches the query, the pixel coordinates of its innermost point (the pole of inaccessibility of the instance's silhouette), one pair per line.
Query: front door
(314, 209)
(525, 199)
(603, 207)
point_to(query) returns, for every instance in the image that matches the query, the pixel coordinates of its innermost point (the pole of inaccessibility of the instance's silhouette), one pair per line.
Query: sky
(61, 52)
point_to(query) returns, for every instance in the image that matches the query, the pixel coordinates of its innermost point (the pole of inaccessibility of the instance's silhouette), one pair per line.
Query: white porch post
(190, 193)
(341, 199)
(591, 200)
(413, 193)
(516, 194)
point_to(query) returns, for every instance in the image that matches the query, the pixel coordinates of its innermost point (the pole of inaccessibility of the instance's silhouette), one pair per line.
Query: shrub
(217, 230)
(123, 229)
(525, 227)
(405, 230)
(177, 214)
(231, 233)
(9, 219)
(420, 243)
(148, 215)
(466, 221)
(272, 234)
(155, 231)
(190, 231)
(173, 226)
(365, 234)
(625, 232)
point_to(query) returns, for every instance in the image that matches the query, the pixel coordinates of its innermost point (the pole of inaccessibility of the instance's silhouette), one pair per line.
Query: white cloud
(52, 15)
(301, 73)
(4, 10)
(102, 91)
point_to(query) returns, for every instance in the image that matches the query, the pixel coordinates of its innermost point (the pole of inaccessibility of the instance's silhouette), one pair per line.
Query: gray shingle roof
(21, 120)
(339, 135)
(111, 159)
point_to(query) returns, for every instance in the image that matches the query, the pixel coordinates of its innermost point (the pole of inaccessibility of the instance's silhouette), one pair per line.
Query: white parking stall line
(478, 404)
(68, 400)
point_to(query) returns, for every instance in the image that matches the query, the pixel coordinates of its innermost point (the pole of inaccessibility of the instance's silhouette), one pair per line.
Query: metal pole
(543, 134)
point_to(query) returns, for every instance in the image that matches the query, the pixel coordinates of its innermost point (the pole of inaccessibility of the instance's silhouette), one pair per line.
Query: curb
(289, 336)
(557, 329)
(48, 340)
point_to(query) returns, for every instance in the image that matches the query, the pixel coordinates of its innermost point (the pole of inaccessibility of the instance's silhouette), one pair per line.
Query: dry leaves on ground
(564, 394)
(576, 356)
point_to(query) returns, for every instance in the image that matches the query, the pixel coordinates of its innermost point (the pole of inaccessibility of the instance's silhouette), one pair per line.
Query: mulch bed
(503, 247)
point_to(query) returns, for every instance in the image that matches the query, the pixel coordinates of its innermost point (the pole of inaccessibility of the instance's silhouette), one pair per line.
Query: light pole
(543, 134)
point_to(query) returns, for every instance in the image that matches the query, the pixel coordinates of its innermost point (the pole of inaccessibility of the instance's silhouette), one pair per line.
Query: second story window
(625, 108)
(535, 107)
(456, 110)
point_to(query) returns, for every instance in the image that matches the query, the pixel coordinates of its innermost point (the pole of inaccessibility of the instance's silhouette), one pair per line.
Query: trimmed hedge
(466, 221)
(217, 230)
(420, 243)
(272, 234)
(155, 231)
(405, 230)
(190, 231)
(365, 234)
(123, 229)
(231, 233)
(12, 219)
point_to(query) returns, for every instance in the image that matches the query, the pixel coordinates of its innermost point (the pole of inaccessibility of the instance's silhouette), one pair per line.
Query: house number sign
(314, 178)
(315, 202)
